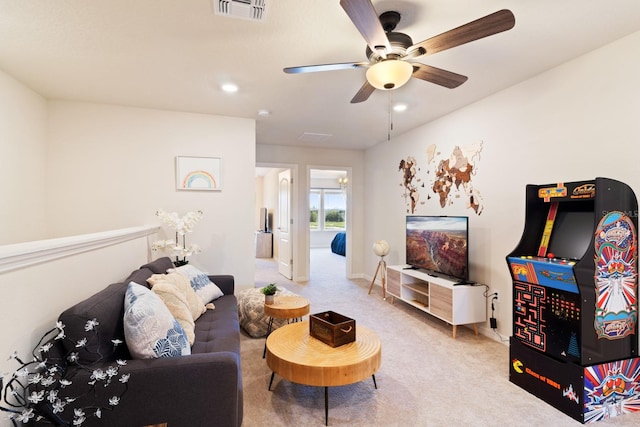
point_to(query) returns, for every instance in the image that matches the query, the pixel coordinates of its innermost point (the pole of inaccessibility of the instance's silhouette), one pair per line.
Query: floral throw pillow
(205, 288)
(149, 328)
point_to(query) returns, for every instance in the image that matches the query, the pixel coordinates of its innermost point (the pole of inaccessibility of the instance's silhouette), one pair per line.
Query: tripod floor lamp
(381, 248)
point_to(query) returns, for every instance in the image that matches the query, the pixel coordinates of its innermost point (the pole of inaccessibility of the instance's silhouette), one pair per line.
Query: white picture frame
(198, 173)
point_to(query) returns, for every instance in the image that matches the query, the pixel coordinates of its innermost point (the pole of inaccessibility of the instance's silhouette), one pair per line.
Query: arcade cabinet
(575, 275)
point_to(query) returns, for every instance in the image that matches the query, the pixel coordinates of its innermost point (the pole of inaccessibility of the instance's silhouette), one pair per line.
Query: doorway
(329, 213)
(302, 253)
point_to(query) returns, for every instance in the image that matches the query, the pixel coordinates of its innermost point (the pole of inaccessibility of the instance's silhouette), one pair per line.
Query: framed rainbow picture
(198, 173)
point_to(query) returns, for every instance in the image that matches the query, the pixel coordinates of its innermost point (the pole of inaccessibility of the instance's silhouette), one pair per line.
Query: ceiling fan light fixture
(389, 74)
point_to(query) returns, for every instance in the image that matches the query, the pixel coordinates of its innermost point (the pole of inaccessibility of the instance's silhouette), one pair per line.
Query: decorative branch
(35, 389)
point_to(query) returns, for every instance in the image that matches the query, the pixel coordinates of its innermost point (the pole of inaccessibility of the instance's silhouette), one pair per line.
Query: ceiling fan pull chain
(389, 118)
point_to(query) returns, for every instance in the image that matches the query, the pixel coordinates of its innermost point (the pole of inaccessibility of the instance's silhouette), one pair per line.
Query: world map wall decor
(450, 178)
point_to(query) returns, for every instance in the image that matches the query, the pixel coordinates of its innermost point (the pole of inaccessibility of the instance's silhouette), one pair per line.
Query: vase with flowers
(39, 390)
(181, 226)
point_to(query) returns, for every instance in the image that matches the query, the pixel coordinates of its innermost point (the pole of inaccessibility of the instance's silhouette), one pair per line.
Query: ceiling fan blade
(365, 18)
(364, 93)
(438, 76)
(489, 25)
(324, 67)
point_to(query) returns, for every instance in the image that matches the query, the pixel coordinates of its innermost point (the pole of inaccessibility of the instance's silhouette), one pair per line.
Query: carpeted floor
(426, 378)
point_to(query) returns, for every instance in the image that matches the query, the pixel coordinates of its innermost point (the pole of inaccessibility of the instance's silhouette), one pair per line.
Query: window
(327, 209)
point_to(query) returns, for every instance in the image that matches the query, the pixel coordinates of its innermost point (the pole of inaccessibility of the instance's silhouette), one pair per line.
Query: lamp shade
(389, 74)
(381, 248)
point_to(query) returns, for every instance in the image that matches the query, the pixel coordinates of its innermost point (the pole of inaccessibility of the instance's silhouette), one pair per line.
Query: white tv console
(438, 296)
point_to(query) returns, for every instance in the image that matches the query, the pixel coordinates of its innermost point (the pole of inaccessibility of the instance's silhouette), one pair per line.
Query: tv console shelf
(438, 296)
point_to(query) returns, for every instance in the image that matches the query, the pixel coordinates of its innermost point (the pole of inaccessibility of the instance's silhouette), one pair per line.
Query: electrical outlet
(496, 297)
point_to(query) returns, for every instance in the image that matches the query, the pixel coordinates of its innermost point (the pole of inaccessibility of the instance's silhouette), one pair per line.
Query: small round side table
(285, 307)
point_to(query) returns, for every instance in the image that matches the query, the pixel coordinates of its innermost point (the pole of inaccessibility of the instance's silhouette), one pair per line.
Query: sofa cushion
(106, 306)
(218, 330)
(149, 328)
(159, 266)
(138, 276)
(200, 282)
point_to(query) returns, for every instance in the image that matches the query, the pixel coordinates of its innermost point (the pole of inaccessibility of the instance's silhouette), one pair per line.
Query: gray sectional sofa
(201, 389)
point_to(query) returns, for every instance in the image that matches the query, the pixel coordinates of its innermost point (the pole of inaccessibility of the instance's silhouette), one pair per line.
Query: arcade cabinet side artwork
(574, 272)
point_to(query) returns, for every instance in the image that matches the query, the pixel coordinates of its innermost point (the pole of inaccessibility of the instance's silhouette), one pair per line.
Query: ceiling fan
(391, 54)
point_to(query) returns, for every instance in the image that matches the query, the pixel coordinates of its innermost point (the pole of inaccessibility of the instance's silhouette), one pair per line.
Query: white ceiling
(174, 54)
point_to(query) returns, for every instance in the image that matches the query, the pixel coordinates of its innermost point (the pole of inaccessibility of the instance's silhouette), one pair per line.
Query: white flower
(78, 417)
(112, 371)
(182, 226)
(48, 381)
(121, 362)
(91, 325)
(82, 342)
(46, 347)
(35, 379)
(58, 406)
(98, 413)
(116, 342)
(52, 396)
(114, 401)
(59, 325)
(60, 335)
(125, 378)
(36, 396)
(98, 374)
(65, 383)
(73, 357)
(26, 415)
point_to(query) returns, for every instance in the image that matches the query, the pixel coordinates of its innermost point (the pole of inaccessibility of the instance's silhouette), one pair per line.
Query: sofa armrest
(209, 386)
(225, 282)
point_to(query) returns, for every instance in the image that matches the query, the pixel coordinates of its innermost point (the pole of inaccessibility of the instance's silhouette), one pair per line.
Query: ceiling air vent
(254, 10)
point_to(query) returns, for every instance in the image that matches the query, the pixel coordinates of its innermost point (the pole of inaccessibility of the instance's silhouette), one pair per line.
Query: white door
(285, 231)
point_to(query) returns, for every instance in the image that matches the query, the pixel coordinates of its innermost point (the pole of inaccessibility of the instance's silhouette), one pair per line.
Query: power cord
(493, 322)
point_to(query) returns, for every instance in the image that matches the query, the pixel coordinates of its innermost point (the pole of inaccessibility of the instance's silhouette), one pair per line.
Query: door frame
(348, 249)
(295, 211)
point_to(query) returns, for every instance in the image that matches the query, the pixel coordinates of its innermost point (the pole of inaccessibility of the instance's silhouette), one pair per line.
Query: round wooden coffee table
(285, 307)
(298, 357)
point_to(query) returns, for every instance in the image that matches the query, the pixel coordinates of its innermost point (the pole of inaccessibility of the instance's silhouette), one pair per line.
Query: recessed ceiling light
(264, 112)
(229, 88)
(400, 107)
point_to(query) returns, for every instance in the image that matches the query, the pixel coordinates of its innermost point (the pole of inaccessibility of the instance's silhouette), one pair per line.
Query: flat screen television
(438, 244)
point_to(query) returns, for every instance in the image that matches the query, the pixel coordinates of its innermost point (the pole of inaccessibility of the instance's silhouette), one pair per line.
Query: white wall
(22, 162)
(575, 122)
(112, 167)
(315, 158)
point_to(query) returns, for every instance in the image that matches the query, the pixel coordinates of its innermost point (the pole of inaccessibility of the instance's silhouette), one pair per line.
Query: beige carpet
(426, 378)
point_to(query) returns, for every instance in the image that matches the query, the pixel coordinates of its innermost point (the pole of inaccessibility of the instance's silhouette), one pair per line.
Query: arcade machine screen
(572, 234)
